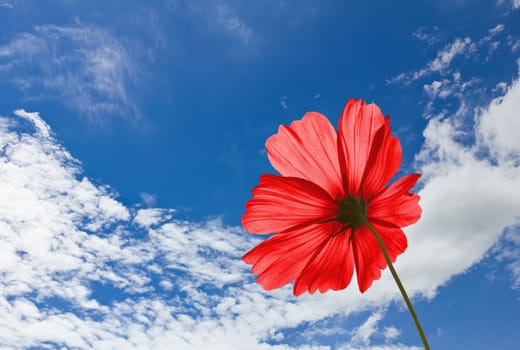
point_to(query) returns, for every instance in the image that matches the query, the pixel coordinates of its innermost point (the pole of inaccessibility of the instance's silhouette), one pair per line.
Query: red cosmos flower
(328, 186)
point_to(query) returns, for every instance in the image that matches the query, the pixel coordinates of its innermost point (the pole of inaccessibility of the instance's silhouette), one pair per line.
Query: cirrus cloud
(85, 67)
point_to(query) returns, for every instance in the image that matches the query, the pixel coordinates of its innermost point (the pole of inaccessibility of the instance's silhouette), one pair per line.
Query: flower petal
(395, 205)
(307, 149)
(331, 267)
(357, 129)
(280, 259)
(283, 203)
(368, 255)
(383, 162)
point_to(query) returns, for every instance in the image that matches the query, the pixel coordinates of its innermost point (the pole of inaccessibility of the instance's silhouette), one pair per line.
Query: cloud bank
(81, 270)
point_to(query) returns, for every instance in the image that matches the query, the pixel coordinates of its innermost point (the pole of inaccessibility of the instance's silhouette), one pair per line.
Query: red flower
(315, 209)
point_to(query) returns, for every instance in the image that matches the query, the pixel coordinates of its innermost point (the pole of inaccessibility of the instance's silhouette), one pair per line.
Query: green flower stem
(399, 284)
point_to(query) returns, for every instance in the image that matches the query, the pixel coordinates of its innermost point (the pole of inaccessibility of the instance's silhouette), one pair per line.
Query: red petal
(281, 258)
(384, 161)
(395, 205)
(307, 149)
(282, 203)
(331, 267)
(358, 126)
(368, 255)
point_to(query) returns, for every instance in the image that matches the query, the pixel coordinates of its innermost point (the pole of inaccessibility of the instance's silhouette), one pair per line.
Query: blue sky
(132, 133)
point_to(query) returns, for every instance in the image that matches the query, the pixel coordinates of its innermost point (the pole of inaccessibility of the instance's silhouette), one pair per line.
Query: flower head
(329, 185)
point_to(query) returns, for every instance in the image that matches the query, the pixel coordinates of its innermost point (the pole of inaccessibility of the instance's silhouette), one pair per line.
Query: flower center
(352, 211)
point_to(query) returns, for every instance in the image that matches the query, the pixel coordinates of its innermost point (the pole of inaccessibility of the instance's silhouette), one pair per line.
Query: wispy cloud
(497, 29)
(441, 63)
(429, 37)
(364, 332)
(219, 18)
(459, 47)
(508, 253)
(448, 87)
(148, 198)
(283, 102)
(445, 56)
(453, 87)
(232, 23)
(513, 43)
(490, 40)
(83, 67)
(500, 88)
(391, 333)
(6, 4)
(362, 336)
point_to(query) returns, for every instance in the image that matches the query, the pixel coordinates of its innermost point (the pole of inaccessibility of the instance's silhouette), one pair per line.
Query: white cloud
(499, 125)
(468, 200)
(516, 4)
(41, 221)
(86, 68)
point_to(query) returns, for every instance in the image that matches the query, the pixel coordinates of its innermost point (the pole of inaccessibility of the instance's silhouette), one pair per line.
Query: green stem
(399, 284)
